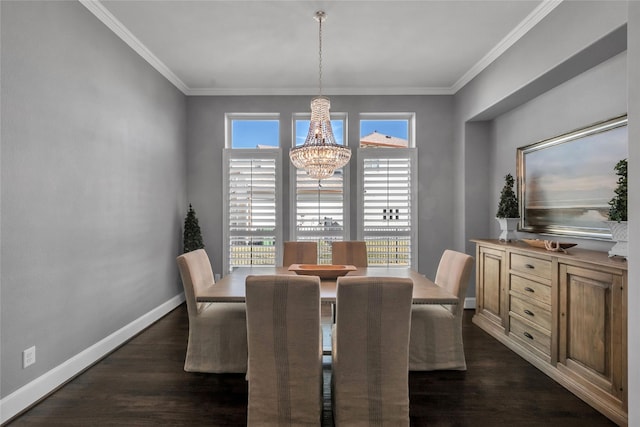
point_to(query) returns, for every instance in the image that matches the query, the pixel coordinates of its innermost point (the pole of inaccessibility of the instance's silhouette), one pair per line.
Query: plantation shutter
(388, 196)
(253, 231)
(319, 213)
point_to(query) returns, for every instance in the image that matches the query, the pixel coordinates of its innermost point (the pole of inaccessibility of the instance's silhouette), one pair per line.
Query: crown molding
(314, 91)
(96, 7)
(121, 31)
(510, 39)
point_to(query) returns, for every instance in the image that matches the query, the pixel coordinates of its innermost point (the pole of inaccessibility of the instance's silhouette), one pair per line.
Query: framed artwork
(566, 182)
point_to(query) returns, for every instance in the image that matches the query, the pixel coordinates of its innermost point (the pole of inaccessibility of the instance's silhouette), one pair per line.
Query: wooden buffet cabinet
(565, 313)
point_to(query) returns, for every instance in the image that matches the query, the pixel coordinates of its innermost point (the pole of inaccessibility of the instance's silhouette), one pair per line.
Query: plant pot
(620, 235)
(508, 227)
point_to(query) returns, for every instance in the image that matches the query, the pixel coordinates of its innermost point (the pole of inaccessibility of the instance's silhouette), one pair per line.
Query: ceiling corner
(107, 18)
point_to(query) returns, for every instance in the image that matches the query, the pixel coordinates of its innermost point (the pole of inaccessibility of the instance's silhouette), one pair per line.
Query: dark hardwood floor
(143, 384)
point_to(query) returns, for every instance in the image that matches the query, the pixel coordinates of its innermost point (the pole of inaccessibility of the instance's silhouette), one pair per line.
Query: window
(388, 189)
(247, 131)
(319, 209)
(252, 179)
(391, 130)
(302, 121)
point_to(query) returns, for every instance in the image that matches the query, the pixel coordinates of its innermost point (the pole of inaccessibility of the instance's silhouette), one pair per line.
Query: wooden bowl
(323, 271)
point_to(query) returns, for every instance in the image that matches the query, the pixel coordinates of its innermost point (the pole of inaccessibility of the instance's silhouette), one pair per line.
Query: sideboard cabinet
(565, 313)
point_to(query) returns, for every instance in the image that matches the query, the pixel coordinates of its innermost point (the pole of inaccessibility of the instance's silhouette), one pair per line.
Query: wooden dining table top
(231, 288)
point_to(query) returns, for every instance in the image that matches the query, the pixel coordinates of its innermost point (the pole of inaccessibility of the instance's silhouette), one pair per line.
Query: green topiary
(618, 209)
(192, 236)
(508, 206)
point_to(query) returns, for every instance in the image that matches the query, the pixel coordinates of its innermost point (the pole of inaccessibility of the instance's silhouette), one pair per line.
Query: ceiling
(257, 47)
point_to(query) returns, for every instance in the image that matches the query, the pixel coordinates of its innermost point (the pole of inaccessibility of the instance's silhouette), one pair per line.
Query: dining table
(231, 288)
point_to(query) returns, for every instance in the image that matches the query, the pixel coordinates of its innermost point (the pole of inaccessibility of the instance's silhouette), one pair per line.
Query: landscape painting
(565, 183)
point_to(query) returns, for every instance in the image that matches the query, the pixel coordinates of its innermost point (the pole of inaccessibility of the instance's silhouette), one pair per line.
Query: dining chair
(285, 350)
(349, 252)
(370, 346)
(299, 253)
(217, 331)
(436, 330)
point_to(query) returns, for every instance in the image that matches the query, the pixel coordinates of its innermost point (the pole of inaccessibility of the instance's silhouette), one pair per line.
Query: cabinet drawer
(531, 289)
(529, 335)
(530, 265)
(536, 313)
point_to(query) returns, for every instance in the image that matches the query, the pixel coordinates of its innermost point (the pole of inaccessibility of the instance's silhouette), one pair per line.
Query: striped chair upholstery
(285, 350)
(370, 345)
(436, 330)
(217, 331)
(300, 253)
(349, 253)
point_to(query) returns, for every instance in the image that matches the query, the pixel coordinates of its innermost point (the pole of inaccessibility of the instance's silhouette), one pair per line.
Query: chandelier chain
(321, 18)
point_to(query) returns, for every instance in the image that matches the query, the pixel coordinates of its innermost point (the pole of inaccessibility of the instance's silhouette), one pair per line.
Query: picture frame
(565, 183)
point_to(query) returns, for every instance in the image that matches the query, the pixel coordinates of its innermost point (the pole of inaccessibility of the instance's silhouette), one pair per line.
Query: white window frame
(410, 153)
(230, 117)
(248, 153)
(391, 153)
(410, 117)
(293, 228)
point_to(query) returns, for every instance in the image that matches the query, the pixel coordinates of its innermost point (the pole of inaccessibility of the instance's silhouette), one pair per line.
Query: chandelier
(320, 155)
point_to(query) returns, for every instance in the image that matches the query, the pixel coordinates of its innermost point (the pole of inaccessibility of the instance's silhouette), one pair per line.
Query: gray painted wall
(633, 61)
(478, 162)
(93, 185)
(597, 94)
(435, 161)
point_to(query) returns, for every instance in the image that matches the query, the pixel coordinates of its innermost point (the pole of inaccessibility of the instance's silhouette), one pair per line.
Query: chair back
(349, 253)
(285, 350)
(299, 253)
(370, 351)
(196, 273)
(454, 271)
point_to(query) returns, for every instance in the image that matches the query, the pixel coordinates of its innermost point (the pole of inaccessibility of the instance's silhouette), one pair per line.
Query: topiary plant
(508, 206)
(618, 209)
(192, 239)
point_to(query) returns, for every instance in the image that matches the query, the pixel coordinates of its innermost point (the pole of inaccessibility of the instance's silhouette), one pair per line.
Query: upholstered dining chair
(436, 330)
(285, 350)
(300, 253)
(217, 331)
(349, 252)
(370, 345)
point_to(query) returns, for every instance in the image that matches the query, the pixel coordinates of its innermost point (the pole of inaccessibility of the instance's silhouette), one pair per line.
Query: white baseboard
(470, 302)
(30, 393)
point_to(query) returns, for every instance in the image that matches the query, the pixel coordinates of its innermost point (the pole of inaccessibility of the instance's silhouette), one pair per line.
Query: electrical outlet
(29, 357)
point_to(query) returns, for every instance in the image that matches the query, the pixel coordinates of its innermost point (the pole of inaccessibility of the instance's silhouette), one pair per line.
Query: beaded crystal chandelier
(320, 155)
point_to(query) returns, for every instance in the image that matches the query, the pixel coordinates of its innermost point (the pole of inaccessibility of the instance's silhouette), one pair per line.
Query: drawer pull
(530, 266)
(528, 335)
(530, 313)
(528, 289)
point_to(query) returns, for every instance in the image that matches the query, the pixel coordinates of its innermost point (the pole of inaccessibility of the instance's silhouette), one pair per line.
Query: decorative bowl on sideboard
(549, 245)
